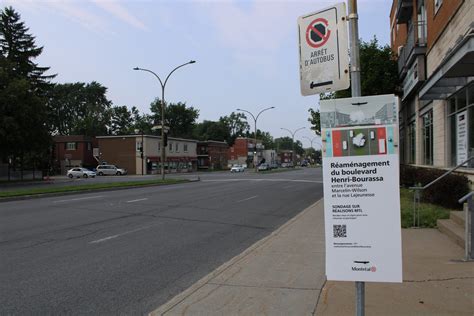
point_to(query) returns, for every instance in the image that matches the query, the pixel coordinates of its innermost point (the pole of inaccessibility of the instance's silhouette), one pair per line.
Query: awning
(455, 72)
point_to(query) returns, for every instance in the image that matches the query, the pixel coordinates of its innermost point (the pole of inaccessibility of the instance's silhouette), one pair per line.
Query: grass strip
(88, 187)
(429, 213)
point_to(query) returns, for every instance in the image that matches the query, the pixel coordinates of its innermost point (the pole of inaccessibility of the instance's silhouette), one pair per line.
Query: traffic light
(165, 139)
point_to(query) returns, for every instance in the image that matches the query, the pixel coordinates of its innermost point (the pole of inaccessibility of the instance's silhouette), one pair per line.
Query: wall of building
(438, 21)
(119, 151)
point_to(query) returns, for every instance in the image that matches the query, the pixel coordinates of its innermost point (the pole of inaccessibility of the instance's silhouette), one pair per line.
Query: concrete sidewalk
(283, 274)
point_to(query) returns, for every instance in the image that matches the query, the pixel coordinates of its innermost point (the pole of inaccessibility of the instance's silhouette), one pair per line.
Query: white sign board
(324, 56)
(361, 189)
(461, 139)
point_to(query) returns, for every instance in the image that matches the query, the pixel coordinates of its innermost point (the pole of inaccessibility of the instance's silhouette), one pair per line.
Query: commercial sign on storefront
(461, 137)
(361, 189)
(324, 58)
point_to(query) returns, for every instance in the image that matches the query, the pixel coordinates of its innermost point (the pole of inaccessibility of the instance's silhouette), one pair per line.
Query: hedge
(446, 192)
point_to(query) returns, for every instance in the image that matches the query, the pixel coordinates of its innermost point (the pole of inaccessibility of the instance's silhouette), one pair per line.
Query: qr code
(339, 231)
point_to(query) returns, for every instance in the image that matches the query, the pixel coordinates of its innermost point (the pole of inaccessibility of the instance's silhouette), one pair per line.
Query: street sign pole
(356, 92)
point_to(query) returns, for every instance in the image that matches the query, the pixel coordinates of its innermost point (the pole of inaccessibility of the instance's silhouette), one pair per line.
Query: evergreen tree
(24, 136)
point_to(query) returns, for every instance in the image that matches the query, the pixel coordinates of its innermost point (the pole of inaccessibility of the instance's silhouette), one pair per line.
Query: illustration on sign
(361, 189)
(324, 59)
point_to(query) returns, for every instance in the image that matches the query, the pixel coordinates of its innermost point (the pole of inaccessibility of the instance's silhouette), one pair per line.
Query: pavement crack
(266, 287)
(438, 280)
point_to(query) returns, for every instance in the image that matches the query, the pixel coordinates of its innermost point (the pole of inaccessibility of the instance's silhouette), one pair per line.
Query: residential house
(73, 151)
(242, 152)
(212, 155)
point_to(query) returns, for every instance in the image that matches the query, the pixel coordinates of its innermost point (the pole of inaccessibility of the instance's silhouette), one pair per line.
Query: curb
(44, 195)
(203, 281)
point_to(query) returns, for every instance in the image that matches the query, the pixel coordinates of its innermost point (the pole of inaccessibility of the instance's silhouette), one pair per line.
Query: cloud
(120, 12)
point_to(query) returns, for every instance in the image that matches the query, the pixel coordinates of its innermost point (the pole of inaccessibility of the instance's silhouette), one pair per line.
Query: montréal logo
(365, 267)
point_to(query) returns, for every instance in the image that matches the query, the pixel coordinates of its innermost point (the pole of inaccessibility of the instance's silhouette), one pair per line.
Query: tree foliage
(180, 118)
(79, 109)
(23, 85)
(286, 143)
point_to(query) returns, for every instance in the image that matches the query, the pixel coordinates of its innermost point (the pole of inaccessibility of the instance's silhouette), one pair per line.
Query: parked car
(237, 168)
(263, 167)
(80, 173)
(103, 170)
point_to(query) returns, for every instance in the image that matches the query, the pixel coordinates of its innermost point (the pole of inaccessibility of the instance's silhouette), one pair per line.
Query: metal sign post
(356, 92)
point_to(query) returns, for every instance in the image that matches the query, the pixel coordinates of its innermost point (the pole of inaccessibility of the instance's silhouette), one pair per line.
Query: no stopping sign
(317, 33)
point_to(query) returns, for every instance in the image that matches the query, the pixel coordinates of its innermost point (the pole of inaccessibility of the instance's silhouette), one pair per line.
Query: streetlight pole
(163, 104)
(293, 142)
(141, 147)
(311, 140)
(255, 118)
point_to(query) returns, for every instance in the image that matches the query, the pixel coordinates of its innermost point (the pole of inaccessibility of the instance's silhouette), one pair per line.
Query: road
(130, 251)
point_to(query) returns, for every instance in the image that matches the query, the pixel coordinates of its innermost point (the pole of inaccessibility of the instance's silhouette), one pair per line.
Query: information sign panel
(361, 189)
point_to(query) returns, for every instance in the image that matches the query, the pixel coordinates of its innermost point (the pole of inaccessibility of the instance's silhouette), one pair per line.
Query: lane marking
(252, 197)
(122, 234)
(132, 201)
(257, 180)
(78, 199)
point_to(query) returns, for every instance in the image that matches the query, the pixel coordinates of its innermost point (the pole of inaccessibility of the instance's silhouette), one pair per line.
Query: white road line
(269, 180)
(252, 197)
(132, 201)
(122, 234)
(78, 199)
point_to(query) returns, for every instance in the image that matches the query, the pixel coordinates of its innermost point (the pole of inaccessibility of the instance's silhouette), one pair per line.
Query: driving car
(80, 173)
(263, 167)
(103, 170)
(237, 168)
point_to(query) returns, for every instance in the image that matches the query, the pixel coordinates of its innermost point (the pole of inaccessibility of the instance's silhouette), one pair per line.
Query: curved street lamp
(255, 118)
(293, 142)
(163, 104)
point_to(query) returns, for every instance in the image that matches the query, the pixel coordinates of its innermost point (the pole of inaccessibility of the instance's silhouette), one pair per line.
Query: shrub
(446, 192)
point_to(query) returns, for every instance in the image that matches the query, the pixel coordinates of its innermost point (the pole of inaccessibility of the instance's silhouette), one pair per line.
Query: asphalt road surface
(130, 251)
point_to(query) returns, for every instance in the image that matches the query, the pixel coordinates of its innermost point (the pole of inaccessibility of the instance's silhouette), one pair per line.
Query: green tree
(180, 118)
(121, 122)
(237, 125)
(286, 143)
(379, 75)
(79, 109)
(265, 137)
(24, 136)
(211, 130)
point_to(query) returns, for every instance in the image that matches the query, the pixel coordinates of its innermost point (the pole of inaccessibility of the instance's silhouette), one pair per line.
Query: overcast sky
(246, 51)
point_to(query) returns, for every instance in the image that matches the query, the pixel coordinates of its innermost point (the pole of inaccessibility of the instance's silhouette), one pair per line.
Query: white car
(263, 167)
(237, 168)
(80, 173)
(103, 170)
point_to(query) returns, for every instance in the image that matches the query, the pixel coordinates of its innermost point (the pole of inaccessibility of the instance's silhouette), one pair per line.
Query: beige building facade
(141, 154)
(434, 43)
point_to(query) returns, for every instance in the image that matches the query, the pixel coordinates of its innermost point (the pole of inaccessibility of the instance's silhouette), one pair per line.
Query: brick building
(73, 151)
(141, 154)
(212, 155)
(434, 42)
(241, 153)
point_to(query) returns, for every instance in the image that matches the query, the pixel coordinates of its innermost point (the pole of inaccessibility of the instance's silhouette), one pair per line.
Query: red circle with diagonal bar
(311, 28)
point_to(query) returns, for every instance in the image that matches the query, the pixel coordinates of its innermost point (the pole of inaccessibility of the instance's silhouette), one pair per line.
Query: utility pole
(293, 142)
(356, 92)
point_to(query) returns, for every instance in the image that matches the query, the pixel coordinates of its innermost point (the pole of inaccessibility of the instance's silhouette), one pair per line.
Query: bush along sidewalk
(445, 193)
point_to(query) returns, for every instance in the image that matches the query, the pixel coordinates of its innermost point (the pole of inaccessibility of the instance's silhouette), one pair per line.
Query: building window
(138, 146)
(428, 138)
(461, 120)
(170, 147)
(89, 146)
(185, 148)
(71, 146)
(177, 148)
(411, 142)
(437, 5)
